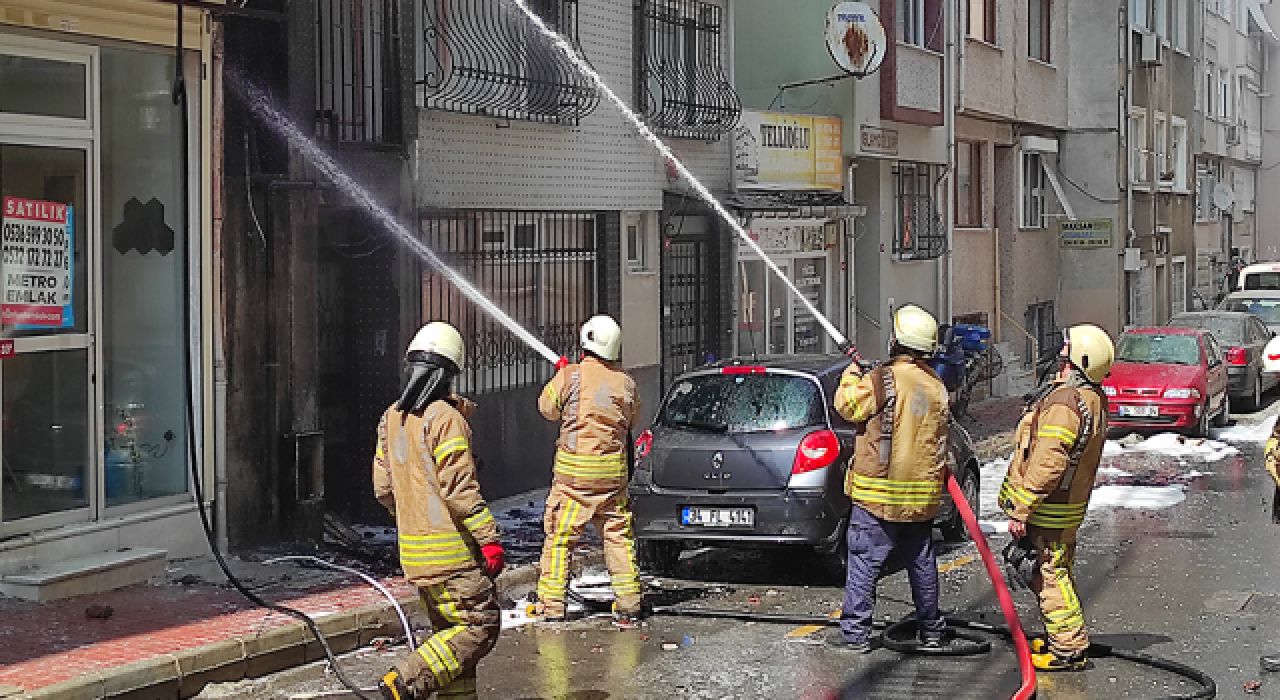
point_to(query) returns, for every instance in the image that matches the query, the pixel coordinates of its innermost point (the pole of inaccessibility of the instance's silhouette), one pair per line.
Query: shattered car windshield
(743, 403)
(1159, 349)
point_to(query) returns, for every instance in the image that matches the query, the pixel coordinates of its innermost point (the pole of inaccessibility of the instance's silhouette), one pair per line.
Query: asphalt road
(1176, 560)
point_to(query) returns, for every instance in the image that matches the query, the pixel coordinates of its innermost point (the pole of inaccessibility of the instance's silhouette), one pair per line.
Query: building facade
(110, 233)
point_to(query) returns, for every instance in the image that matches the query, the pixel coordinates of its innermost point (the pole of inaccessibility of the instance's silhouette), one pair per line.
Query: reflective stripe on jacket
(596, 404)
(424, 473)
(900, 458)
(1058, 445)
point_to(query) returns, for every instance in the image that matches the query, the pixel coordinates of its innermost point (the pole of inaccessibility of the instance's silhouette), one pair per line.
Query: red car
(1174, 378)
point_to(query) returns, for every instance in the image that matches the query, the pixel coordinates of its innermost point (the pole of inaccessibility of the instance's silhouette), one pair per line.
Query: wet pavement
(1176, 559)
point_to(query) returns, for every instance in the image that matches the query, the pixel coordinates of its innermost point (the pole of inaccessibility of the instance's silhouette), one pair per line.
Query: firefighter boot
(1050, 661)
(392, 687)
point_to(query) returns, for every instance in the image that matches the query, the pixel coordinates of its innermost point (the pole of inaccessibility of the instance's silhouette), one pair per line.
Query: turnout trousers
(569, 509)
(1055, 586)
(466, 619)
(871, 541)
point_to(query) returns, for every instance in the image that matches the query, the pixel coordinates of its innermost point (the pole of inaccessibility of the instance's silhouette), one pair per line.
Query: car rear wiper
(1134, 360)
(701, 425)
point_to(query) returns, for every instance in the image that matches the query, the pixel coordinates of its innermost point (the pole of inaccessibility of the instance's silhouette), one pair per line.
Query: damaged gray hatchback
(753, 454)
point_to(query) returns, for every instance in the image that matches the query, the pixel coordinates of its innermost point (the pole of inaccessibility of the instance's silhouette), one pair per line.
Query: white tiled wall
(468, 161)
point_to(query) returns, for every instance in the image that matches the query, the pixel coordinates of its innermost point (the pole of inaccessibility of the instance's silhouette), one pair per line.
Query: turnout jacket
(425, 474)
(596, 404)
(900, 457)
(1058, 444)
(1272, 454)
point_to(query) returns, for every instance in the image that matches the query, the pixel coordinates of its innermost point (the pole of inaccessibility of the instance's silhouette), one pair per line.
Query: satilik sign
(37, 265)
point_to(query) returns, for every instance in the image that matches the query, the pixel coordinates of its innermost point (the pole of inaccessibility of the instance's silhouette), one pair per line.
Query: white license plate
(718, 517)
(1140, 411)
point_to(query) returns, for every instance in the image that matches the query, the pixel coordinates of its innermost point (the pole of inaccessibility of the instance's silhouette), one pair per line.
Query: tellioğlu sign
(855, 38)
(36, 263)
(782, 151)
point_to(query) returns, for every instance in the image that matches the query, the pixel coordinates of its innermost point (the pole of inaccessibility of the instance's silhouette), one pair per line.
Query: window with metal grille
(357, 71)
(484, 57)
(1040, 324)
(681, 85)
(538, 267)
(1034, 189)
(919, 232)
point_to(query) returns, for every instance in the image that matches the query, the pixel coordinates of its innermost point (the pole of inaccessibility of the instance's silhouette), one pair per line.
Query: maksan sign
(855, 38)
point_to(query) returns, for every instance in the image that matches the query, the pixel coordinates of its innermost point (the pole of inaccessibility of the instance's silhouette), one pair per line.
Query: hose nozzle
(562, 363)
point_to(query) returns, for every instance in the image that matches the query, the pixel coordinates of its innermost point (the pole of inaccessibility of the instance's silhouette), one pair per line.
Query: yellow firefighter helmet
(1090, 349)
(441, 339)
(602, 336)
(915, 328)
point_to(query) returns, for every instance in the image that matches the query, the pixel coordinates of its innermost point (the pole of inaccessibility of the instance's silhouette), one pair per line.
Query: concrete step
(95, 573)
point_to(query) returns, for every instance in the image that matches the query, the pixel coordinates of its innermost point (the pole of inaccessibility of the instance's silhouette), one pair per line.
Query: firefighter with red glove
(1046, 491)
(425, 474)
(596, 404)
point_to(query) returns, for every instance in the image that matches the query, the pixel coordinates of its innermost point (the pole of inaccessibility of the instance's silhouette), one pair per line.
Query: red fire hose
(1028, 689)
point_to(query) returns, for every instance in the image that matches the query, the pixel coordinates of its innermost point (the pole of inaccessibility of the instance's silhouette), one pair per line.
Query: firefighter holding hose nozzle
(896, 477)
(596, 404)
(1046, 492)
(425, 474)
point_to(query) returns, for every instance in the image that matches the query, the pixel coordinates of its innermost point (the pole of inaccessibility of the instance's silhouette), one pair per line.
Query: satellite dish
(1223, 196)
(855, 38)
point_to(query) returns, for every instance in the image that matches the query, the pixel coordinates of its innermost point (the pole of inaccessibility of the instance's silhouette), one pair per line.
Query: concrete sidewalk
(170, 637)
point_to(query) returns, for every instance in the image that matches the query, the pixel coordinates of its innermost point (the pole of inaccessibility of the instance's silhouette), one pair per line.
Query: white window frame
(1178, 302)
(1033, 192)
(1138, 14)
(1160, 147)
(1178, 152)
(1224, 94)
(1138, 147)
(1160, 18)
(1210, 87)
(636, 252)
(1178, 24)
(911, 29)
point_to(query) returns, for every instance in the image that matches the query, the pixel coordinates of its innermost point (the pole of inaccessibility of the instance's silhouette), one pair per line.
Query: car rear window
(1266, 309)
(743, 403)
(1226, 330)
(1158, 349)
(1262, 280)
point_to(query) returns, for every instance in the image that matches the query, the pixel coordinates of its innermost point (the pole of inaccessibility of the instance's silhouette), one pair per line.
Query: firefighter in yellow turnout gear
(1271, 457)
(424, 473)
(896, 477)
(1046, 491)
(596, 404)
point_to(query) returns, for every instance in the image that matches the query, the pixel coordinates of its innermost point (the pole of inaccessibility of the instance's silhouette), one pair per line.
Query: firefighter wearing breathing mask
(896, 478)
(596, 404)
(425, 474)
(1046, 491)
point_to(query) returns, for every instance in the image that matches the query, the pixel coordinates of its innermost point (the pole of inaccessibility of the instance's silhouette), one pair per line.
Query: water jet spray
(259, 103)
(567, 49)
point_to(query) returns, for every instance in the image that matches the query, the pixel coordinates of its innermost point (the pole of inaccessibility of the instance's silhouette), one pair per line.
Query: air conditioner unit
(1152, 51)
(1232, 134)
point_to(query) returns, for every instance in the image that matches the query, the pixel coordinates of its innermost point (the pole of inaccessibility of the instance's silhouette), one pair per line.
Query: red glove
(562, 363)
(494, 559)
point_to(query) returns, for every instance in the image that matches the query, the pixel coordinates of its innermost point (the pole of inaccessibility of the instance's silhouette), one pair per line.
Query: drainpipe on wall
(219, 332)
(949, 113)
(1126, 102)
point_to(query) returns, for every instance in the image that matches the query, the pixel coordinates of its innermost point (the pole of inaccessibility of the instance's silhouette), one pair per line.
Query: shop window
(682, 88)
(543, 277)
(482, 57)
(1039, 16)
(919, 232)
(42, 87)
(1034, 192)
(357, 71)
(144, 260)
(982, 20)
(968, 184)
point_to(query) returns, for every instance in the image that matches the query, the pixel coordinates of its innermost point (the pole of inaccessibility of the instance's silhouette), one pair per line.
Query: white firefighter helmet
(1271, 356)
(1090, 349)
(441, 339)
(915, 328)
(603, 337)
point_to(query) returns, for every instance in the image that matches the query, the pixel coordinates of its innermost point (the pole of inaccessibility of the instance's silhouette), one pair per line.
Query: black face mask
(428, 382)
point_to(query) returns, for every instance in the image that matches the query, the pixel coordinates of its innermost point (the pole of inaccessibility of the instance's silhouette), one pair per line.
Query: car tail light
(817, 450)
(644, 444)
(1237, 356)
(742, 369)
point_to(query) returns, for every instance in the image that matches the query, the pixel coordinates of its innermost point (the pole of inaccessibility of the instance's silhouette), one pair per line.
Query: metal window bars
(483, 57)
(539, 267)
(681, 85)
(919, 233)
(357, 71)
